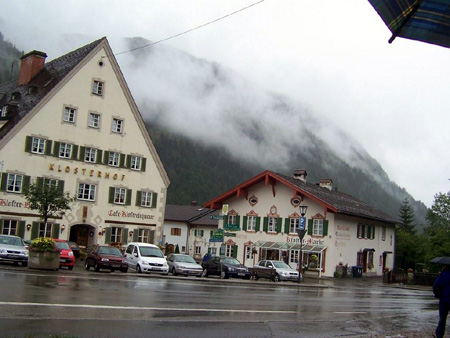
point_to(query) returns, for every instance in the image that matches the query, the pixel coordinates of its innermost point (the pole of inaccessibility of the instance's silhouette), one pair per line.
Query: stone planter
(43, 260)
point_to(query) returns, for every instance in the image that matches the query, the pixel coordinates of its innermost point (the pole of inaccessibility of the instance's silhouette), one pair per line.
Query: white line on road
(112, 307)
(350, 312)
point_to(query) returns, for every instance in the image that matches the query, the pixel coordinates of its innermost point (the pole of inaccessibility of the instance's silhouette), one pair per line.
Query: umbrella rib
(414, 9)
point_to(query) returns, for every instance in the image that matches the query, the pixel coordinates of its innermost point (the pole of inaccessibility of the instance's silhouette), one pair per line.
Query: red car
(67, 257)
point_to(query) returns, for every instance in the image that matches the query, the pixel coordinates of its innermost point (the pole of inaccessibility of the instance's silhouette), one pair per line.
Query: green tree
(437, 232)
(407, 217)
(48, 199)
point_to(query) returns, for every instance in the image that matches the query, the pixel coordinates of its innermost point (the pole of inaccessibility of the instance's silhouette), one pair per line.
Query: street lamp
(301, 231)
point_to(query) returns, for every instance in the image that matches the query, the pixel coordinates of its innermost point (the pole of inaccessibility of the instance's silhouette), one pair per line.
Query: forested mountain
(9, 60)
(213, 130)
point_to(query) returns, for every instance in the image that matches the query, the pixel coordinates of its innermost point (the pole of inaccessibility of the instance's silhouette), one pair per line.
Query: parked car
(66, 254)
(105, 257)
(283, 271)
(144, 257)
(180, 264)
(225, 267)
(13, 249)
(75, 248)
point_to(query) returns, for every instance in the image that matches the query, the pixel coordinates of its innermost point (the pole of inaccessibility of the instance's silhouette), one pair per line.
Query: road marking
(350, 312)
(112, 307)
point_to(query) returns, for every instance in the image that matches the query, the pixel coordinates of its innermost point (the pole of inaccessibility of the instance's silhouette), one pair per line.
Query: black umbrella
(422, 20)
(441, 260)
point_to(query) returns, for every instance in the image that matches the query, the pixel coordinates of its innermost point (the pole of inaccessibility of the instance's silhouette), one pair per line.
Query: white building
(263, 219)
(73, 123)
(190, 227)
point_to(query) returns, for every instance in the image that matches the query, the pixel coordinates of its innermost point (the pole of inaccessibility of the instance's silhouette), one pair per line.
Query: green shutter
(244, 223)
(143, 163)
(358, 231)
(128, 197)
(138, 198)
(34, 230)
(154, 199)
(105, 157)
(195, 232)
(238, 220)
(108, 235)
(48, 147)
(310, 227)
(28, 143)
(287, 225)
(25, 182)
(279, 222)
(128, 162)
(21, 230)
(266, 224)
(56, 149)
(4, 181)
(40, 182)
(152, 236)
(125, 236)
(74, 152)
(135, 235)
(325, 227)
(82, 153)
(258, 224)
(211, 233)
(99, 158)
(55, 230)
(61, 186)
(234, 251)
(122, 160)
(111, 195)
(1, 225)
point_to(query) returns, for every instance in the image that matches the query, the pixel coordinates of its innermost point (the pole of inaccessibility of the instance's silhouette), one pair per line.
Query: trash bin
(357, 271)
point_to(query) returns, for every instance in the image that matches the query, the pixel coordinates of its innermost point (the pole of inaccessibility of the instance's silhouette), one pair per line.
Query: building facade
(72, 123)
(262, 217)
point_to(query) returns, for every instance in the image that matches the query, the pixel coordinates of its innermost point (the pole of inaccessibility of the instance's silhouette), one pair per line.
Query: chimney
(31, 64)
(326, 183)
(300, 174)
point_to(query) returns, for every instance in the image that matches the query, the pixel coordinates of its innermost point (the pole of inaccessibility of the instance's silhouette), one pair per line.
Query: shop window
(144, 235)
(293, 256)
(116, 234)
(10, 227)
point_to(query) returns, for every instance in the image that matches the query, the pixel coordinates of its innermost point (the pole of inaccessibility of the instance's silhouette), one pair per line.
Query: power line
(192, 29)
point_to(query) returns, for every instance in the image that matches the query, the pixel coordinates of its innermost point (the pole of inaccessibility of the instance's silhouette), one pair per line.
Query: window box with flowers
(43, 254)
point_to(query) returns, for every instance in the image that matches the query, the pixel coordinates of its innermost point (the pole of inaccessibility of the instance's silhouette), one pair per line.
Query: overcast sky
(330, 55)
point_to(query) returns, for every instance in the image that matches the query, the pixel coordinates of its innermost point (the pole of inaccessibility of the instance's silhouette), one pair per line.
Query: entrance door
(82, 234)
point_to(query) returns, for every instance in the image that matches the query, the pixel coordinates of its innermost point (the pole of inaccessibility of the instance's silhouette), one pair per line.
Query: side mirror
(135, 254)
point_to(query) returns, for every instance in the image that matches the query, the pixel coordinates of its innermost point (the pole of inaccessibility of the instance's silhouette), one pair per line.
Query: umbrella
(441, 260)
(422, 20)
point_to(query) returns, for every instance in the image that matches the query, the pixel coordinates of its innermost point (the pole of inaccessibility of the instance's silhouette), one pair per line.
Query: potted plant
(43, 254)
(313, 261)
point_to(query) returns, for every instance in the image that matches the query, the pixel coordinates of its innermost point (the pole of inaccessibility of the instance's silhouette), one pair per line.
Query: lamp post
(301, 231)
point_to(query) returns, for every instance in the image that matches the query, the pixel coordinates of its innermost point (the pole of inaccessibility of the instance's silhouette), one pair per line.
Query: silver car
(180, 264)
(284, 271)
(13, 249)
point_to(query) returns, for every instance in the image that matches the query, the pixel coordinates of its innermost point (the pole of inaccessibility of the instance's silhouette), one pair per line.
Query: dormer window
(4, 112)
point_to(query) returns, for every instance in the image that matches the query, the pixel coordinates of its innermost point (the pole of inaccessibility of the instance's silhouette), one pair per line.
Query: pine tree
(407, 217)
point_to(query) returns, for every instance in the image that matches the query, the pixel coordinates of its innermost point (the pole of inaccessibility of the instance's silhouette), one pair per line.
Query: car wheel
(96, 267)
(205, 273)
(276, 278)
(86, 265)
(256, 277)
(223, 275)
(138, 268)
(70, 267)
(24, 264)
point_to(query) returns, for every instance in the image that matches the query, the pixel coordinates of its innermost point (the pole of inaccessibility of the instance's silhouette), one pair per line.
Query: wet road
(89, 304)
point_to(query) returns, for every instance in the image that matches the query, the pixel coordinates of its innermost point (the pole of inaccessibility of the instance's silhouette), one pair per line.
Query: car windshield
(11, 240)
(109, 250)
(281, 265)
(73, 244)
(150, 252)
(232, 261)
(184, 259)
(62, 245)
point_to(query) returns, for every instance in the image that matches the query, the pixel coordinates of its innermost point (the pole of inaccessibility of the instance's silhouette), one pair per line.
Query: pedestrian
(441, 290)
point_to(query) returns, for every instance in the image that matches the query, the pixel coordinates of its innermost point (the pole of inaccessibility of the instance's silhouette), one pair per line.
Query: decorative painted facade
(263, 218)
(72, 123)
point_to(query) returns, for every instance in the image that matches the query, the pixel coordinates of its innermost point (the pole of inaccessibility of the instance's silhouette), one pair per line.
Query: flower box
(43, 260)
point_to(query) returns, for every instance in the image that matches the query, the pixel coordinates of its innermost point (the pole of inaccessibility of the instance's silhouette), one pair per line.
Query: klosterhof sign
(85, 172)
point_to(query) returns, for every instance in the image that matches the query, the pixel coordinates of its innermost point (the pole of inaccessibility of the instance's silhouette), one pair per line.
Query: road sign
(225, 209)
(216, 217)
(229, 234)
(231, 227)
(302, 223)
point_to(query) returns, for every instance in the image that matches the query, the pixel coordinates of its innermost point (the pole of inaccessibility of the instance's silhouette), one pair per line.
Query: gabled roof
(188, 213)
(333, 201)
(56, 73)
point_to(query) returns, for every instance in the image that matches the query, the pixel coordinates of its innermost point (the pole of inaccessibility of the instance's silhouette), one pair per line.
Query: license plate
(156, 268)
(115, 266)
(13, 256)
(241, 274)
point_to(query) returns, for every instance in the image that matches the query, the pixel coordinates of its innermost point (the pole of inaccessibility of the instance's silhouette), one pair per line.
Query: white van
(144, 257)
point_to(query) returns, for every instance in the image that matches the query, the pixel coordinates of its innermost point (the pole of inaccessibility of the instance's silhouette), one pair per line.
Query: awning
(290, 246)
